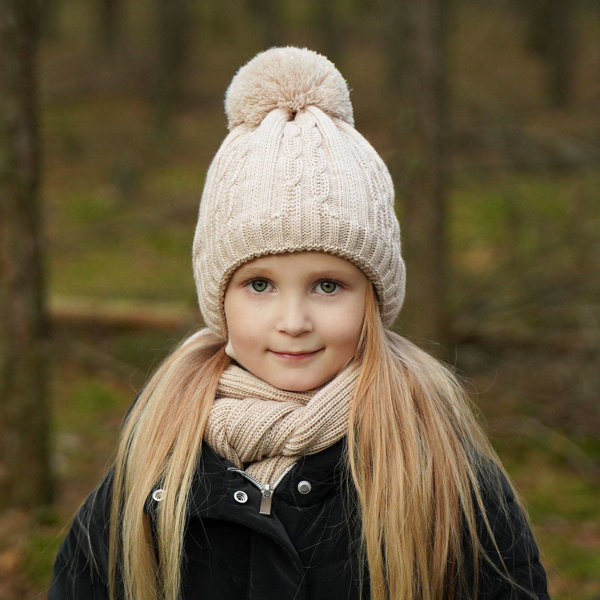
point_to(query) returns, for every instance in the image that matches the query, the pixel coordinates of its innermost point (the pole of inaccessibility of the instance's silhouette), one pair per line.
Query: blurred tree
(108, 23)
(25, 477)
(328, 21)
(417, 60)
(396, 23)
(48, 17)
(552, 37)
(173, 22)
(269, 16)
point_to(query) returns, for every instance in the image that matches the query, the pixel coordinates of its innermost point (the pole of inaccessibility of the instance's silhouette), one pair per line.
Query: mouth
(296, 356)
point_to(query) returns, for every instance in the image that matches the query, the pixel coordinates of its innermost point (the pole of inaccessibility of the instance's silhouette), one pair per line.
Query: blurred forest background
(487, 113)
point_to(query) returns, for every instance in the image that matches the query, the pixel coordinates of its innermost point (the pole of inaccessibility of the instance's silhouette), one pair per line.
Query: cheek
(244, 325)
(344, 329)
(234, 319)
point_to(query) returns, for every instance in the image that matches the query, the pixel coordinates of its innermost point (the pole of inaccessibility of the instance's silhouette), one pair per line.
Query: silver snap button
(304, 487)
(157, 495)
(240, 497)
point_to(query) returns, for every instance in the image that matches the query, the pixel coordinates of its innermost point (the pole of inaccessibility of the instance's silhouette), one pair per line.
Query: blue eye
(327, 287)
(259, 285)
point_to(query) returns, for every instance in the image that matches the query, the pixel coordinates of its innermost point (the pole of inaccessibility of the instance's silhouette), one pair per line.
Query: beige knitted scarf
(267, 429)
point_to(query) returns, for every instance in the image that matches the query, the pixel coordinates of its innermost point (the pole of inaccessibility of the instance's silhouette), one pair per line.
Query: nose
(294, 317)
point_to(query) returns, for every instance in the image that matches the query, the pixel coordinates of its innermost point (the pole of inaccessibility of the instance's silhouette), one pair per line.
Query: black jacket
(305, 549)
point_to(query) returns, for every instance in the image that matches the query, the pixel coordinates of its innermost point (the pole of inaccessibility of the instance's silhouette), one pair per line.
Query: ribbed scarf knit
(265, 430)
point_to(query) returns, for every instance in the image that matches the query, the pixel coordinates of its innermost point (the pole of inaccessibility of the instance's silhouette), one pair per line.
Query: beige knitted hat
(293, 174)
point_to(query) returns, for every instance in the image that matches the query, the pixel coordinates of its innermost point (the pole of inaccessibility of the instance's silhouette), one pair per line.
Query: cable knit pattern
(254, 422)
(294, 175)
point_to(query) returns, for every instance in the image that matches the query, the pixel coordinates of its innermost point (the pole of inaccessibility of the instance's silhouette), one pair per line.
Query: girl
(296, 448)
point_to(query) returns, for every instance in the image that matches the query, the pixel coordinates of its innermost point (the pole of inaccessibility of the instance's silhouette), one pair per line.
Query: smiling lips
(295, 355)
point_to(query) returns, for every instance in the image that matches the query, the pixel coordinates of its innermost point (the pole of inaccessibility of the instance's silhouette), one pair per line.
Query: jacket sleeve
(81, 566)
(512, 570)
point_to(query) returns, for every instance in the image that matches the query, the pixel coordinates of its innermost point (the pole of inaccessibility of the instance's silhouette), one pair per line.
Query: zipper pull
(266, 500)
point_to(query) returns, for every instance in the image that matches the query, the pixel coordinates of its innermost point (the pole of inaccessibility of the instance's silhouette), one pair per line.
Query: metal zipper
(266, 490)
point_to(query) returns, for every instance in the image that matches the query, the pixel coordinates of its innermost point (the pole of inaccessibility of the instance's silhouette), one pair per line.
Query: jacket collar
(324, 471)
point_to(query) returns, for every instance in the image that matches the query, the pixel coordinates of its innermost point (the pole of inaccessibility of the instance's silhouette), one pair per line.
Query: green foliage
(91, 397)
(38, 556)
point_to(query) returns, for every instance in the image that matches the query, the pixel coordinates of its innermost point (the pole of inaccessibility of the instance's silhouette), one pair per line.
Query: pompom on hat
(294, 175)
(287, 78)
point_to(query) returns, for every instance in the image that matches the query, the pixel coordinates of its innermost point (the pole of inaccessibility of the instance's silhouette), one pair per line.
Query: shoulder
(510, 566)
(81, 566)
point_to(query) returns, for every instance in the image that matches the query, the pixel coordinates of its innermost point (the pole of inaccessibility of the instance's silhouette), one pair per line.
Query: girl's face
(294, 320)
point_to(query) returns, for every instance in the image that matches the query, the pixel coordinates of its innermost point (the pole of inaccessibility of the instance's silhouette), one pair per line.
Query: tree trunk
(172, 29)
(108, 24)
(25, 477)
(561, 51)
(49, 18)
(269, 17)
(552, 37)
(328, 20)
(417, 67)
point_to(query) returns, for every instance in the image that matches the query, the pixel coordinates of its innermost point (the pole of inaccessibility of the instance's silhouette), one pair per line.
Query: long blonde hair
(416, 456)
(419, 461)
